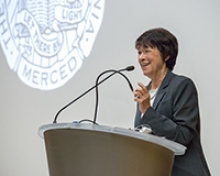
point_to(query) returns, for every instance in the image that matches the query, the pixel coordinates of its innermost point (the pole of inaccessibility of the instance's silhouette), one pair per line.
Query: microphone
(129, 68)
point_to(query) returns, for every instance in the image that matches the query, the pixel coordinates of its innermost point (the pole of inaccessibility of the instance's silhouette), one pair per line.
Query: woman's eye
(139, 52)
(147, 50)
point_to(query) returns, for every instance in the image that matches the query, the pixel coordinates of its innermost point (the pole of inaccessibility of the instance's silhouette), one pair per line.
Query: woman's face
(151, 61)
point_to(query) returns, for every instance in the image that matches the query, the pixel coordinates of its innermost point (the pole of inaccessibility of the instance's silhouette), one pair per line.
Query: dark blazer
(175, 115)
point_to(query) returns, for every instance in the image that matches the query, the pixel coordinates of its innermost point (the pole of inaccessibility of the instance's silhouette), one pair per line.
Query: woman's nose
(142, 56)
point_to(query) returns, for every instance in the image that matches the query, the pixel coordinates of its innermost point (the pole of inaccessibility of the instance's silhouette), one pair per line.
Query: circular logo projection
(45, 41)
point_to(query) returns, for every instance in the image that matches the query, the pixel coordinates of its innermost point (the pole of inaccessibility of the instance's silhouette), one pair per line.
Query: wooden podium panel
(93, 150)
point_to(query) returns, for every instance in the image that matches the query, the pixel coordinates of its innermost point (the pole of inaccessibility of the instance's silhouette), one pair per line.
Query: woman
(169, 104)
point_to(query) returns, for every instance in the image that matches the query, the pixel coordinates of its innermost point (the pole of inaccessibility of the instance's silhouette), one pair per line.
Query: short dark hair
(163, 40)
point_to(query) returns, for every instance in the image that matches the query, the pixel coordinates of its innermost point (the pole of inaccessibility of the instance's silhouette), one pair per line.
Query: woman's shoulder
(182, 79)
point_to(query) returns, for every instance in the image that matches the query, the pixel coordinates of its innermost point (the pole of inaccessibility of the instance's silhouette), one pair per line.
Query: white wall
(24, 109)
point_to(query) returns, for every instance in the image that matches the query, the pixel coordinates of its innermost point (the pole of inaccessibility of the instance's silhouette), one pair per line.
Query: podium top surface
(177, 148)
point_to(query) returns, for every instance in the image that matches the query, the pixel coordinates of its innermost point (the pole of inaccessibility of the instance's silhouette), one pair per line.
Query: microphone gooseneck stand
(129, 68)
(97, 94)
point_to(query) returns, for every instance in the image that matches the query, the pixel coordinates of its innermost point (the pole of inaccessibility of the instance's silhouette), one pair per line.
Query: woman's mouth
(144, 64)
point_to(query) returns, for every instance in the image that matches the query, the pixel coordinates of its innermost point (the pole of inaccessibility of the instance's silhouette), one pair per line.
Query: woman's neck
(158, 79)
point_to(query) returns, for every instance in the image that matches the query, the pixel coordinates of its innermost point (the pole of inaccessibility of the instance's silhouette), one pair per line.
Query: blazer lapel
(162, 89)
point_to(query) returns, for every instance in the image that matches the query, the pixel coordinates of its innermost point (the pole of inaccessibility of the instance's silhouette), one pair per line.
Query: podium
(76, 149)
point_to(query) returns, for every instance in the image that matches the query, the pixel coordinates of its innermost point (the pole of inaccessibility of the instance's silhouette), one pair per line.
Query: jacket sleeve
(177, 115)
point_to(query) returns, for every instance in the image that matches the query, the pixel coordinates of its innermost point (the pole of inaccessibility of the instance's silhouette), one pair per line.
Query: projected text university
(42, 77)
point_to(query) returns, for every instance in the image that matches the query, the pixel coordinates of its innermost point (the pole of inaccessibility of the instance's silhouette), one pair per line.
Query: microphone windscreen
(130, 68)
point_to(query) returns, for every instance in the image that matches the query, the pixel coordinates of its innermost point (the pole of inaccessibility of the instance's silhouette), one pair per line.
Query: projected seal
(45, 41)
